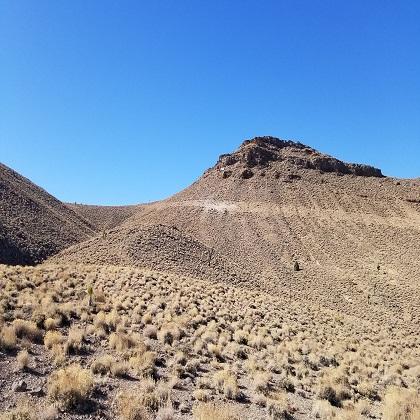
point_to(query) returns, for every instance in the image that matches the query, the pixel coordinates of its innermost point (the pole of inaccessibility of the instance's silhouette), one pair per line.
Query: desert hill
(34, 224)
(190, 308)
(103, 217)
(157, 247)
(272, 202)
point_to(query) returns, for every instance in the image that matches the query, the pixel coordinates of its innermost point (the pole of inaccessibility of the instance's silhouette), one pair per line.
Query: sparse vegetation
(190, 348)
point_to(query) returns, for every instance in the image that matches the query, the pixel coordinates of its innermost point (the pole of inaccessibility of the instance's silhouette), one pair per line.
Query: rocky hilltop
(261, 152)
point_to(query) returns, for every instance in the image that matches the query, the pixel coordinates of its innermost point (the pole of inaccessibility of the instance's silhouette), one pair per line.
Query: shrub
(102, 365)
(23, 359)
(23, 411)
(165, 413)
(52, 323)
(150, 331)
(201, 395)
(75, 340)
(143, 363)
(121, 341)
(261, 381)
(322, 409)
(230, 388)
(59, 354)
(27, 329)
(53, 337)
(278, 407)
(119, 369)
(70, 387)
(209, 411)
(130, 407)
(8, 339)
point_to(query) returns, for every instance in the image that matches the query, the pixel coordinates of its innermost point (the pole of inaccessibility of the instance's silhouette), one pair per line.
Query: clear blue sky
(115, 102)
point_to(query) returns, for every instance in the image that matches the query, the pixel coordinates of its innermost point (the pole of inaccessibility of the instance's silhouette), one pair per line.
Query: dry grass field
(282, 284)
(155, 345)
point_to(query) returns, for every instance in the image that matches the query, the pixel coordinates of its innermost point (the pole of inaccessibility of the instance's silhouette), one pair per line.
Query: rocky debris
(19, 386)
(37, 392)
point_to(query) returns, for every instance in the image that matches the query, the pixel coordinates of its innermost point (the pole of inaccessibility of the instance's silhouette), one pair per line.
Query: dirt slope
(103, 217)
(157, 247)
(273, 202)
(34, 224)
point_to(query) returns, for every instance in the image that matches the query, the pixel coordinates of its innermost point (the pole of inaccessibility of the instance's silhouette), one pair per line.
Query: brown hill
(273, 202)
(34, 224)
(157, 247)
(103, 217)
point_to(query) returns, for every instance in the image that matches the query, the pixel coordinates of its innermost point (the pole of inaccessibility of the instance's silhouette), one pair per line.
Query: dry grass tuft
(8, 339)
(210, 411)
(53, 337)
(70, 387)
(27, 329)
(23, 359)
(130, 407)
(401, 404)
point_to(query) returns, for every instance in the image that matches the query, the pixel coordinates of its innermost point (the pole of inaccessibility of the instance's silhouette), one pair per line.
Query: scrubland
(151, 345)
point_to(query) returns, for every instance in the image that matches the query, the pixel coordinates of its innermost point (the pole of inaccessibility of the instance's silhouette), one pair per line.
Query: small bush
(51, 338)
(23, 411)
(75, 340)
(121, 341)
(27, 329)
(23, 359)
(52, 323)
(70, 387)
(102, 365)
(201, 395)
(165, 413)
(130, 407)
(150, 331)
(8, 339)
(209, 411)
(119, 369)
(59, 354)
(231, 389)
(143, 363)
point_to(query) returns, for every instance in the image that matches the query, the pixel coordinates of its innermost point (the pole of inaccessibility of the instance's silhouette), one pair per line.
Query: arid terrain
(282, 284)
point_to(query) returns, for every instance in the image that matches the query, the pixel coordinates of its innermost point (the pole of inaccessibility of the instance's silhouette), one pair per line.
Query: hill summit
(262, 152)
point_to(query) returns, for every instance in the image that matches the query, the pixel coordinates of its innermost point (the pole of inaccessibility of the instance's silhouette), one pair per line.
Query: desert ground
(282, 284)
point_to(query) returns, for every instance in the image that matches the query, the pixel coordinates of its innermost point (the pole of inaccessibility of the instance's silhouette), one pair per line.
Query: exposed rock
(263, 151)
(246, 174)
(19, 386)
(37, 392)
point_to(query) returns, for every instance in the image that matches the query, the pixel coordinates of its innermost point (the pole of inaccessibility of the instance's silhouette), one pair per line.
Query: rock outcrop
(263, 151)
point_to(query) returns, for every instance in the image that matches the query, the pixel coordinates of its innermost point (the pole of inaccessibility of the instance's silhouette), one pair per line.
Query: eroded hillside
(34, 224)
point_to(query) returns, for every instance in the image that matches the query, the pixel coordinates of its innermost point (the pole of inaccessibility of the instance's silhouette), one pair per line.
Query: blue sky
(118, 102)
